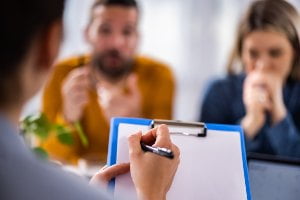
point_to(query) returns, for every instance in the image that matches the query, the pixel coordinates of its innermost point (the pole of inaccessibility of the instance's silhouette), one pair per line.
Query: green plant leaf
(36, 124)
(41, 127)
(66, 138)
(41, 153)
(64, 134)
(81, 134)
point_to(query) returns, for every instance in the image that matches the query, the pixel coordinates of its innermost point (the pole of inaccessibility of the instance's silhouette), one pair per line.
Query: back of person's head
(123, 3)
(21, 22)
(268, 15)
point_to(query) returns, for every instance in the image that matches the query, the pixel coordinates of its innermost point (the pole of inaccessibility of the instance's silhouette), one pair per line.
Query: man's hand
(75, 93)
(123, 100)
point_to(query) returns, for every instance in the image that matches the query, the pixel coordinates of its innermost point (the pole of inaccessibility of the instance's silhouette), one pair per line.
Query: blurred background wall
(193, 36)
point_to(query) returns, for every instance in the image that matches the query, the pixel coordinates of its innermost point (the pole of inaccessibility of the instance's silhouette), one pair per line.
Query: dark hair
(124, 3)
(264, 15)
(20, 22)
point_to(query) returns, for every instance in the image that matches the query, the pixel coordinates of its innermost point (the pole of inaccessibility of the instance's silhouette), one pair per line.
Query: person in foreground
(262, 93)
(30, 39)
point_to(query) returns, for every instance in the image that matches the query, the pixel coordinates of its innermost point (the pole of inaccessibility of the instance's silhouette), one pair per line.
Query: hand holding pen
(152, 174)
(158, 150)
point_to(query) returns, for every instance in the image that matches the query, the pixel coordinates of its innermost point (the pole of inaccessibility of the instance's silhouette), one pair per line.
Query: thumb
(134, 143)
(108, 173)
(163, 137)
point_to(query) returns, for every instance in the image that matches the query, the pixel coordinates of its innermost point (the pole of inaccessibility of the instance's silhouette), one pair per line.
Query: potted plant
(40, 127)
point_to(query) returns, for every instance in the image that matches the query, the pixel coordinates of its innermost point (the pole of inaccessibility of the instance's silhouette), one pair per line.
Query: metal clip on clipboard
(202, 127)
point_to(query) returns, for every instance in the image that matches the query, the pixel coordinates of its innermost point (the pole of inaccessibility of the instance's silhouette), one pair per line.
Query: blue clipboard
(114, 137)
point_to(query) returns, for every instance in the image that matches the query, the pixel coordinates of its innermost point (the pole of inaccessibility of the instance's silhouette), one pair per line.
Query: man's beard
(115, 72)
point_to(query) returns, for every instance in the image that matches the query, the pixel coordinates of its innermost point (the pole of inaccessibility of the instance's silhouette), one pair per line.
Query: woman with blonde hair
(262, 90)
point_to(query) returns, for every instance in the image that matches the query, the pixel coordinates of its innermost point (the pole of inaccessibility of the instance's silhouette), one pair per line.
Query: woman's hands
(262, 94)
(152, 174)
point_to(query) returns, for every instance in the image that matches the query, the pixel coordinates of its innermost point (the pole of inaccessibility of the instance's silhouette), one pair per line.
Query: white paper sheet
(211, 168)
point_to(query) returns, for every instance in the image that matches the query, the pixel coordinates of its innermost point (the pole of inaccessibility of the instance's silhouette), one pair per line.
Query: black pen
(158, 150)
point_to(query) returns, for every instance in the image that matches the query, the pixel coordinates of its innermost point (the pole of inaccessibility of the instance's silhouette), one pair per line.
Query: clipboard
(213, 165)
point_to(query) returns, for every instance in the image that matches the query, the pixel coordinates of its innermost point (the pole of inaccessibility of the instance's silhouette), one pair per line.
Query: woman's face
(268, 52)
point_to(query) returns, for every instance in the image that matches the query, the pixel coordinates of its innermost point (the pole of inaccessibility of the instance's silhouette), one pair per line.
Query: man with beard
(111, 81)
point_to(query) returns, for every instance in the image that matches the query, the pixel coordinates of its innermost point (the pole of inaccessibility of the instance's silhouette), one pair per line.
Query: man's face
(113, 37)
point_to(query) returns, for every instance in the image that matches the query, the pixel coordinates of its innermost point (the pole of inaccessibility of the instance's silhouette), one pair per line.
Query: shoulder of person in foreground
(23, 176)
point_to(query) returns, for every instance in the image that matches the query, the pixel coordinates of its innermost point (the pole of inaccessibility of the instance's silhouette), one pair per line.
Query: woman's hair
(263, 15)
(21, 21)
